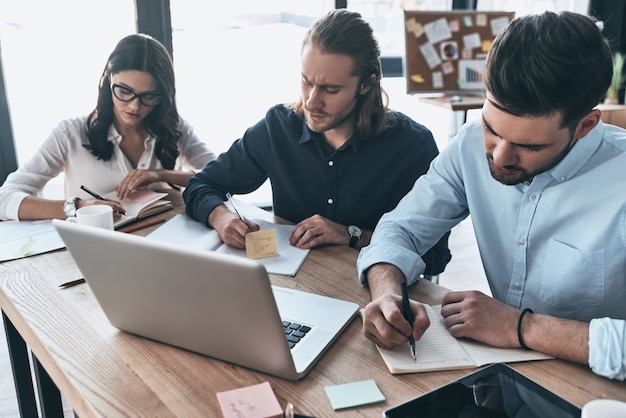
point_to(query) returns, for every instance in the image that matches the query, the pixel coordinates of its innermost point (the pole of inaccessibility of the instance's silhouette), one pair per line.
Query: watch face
(354, 231)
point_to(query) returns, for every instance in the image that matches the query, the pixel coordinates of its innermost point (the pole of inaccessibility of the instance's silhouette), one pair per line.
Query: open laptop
(219, 305)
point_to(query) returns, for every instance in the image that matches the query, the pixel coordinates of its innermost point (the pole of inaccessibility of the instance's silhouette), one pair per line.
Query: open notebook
(439, 350)
(183, 231)
(140, 204)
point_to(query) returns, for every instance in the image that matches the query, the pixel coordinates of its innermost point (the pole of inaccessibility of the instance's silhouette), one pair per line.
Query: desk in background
(614, 114)
(457, 107)
(102, 371)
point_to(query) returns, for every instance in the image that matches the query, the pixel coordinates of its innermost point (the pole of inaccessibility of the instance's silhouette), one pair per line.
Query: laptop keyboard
(294, 332)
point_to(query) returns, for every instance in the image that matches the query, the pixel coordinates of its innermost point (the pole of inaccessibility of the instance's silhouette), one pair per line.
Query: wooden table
(102, 371)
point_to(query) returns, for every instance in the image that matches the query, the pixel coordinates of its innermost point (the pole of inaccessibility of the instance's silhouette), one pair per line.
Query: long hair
(547, 63)
(346, 33)
(142, 53)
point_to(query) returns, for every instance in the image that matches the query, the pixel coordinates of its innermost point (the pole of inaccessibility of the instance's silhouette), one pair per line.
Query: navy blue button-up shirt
(353, 185)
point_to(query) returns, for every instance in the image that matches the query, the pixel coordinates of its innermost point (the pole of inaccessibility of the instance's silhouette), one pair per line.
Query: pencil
(141, 225)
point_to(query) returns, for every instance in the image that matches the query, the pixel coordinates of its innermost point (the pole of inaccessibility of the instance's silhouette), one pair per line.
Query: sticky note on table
(256, 401)
(261, 244)
(353, 394)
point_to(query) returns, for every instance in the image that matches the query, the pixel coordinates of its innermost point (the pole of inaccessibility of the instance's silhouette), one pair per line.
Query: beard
(519, 174)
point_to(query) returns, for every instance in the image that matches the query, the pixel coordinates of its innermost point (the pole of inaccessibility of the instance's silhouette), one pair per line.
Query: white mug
(604, 408)
(100, 216)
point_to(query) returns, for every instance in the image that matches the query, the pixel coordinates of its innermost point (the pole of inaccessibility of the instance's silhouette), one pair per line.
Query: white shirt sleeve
(607, 347)
(30, 178)
(194, 152)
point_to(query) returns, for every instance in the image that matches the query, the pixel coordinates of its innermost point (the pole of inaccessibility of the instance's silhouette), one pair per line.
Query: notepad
(20, 239)
(140, 204)
(439, 350)
(183, 231)
(256, 401)
(348, 395)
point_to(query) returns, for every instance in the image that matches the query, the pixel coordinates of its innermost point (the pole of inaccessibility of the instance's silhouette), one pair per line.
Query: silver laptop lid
(218, 305)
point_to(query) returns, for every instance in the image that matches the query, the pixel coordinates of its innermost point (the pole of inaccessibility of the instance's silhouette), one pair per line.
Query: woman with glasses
(133, 138)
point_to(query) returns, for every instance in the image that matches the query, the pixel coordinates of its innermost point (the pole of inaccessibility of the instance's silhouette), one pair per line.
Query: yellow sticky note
(417, 78)
(414, 27)
(486, 45)
(261, 244)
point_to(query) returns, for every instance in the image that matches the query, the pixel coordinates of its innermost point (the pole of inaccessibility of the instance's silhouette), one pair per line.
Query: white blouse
(63, 151)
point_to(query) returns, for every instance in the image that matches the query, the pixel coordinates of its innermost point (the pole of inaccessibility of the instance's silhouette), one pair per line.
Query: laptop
(219, 305)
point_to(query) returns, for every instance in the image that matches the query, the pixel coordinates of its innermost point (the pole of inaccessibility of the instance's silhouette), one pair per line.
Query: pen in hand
(94, 194)
(97, 196)
(408, 315)
(229, 197)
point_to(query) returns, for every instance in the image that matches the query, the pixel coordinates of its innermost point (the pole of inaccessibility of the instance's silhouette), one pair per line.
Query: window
(53, 54)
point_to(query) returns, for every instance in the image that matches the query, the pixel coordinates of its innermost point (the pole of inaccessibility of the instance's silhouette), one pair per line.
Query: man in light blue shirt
(545, 183)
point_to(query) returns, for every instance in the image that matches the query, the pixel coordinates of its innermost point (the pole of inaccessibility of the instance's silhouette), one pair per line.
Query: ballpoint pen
(94, 194)
(97, 196)
(408, 315)
(229, 197)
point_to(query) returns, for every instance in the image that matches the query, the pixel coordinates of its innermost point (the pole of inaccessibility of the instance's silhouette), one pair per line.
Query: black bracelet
(519, 328)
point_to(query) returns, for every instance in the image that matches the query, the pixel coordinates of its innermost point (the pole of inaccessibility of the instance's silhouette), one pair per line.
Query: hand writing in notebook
(384, 321)
(230, 224)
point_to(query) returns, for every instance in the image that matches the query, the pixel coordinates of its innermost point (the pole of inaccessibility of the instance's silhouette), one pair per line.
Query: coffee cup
(604, 408)
(100, 216)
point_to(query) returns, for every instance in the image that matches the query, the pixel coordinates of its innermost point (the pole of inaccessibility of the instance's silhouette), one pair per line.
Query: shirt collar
(307, 135)
(115, 137)
(579, 155)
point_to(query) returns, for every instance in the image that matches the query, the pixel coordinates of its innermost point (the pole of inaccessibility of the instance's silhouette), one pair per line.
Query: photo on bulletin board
(446, 51)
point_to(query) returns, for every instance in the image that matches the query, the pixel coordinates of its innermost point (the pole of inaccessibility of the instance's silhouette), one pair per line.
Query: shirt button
(563, 178)
(521, 242)
(331, 163)
(532, 197)
(517, 286)
(330, 201)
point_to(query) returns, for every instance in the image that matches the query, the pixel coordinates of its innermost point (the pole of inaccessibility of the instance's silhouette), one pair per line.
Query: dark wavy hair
(142, 53)
(546, 63)
(346, 33)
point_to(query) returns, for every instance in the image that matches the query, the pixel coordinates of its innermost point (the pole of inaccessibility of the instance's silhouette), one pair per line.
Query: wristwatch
(69, 207)
(355, 235)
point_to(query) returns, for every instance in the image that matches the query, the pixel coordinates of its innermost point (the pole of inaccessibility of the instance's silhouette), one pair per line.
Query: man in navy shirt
(337, 159)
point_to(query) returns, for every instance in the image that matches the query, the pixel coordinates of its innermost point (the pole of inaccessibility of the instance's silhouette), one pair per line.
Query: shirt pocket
(572, 279)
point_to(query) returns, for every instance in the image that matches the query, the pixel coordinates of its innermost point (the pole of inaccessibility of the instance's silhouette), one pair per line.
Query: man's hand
(230, 228)
(384, 323)
(473, 314)
(383, 320)
(317, 230)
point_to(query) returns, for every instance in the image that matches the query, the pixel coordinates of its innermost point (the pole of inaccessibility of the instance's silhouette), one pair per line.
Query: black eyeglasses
(127, 95)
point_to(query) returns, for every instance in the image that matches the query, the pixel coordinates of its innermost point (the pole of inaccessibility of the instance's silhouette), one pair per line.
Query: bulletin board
(446, 51)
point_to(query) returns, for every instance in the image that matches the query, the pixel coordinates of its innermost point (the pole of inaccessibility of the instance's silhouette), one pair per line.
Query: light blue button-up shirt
(556, 245)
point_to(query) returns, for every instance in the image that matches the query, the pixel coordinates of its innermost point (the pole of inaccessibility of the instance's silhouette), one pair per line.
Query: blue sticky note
(353, 394)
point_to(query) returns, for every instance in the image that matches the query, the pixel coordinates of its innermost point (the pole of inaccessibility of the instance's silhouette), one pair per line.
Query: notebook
(202, 301)
(184, 231)
(439, 350)
(140, 204)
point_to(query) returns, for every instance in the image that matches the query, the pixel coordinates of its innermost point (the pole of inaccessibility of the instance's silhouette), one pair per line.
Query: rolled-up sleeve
(607, 347)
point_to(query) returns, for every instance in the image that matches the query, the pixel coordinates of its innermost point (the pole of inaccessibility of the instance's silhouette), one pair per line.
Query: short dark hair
(345, 32)
(547, 63)
(139, 52)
